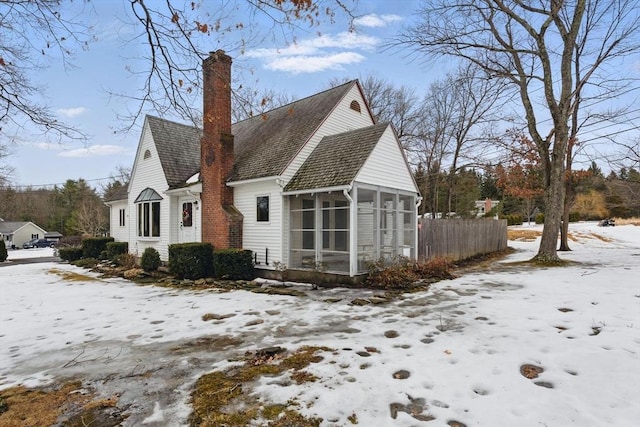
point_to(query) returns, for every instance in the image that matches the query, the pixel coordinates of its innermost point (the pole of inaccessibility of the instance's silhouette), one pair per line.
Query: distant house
(15, 233)
(313, 184)
(483, 207)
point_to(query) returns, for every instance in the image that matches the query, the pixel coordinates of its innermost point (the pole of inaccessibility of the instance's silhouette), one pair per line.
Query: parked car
(607, 223)
(38, 243)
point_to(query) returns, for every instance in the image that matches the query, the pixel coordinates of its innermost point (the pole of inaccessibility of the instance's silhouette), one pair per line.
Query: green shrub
(3, 251)
(540, 218)
(150, 260)
(233, 264)
(114, 249)
(191, 260)
(70, 253)
(92, 247)
(513, 219)
(574, 217)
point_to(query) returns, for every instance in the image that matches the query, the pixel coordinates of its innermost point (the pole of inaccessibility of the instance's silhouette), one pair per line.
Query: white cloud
(312, 64)
(93, 151)
(376, 21)
(313, 55)
(72, 112)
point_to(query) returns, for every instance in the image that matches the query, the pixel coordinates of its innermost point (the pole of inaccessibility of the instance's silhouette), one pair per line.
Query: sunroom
(351, 203)
(343, 232)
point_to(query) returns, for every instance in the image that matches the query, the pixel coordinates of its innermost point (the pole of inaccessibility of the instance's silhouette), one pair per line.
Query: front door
(188, 220)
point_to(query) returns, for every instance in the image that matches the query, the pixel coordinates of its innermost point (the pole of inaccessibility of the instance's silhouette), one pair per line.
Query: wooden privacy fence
(458, 239)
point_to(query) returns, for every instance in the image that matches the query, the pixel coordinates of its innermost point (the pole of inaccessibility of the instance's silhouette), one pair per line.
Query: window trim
(260, 218)
(122, 217)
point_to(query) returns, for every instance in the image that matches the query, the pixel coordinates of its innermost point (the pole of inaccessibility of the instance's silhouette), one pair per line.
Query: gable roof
(178, 147)
(121, 194)
(263, 145)
(337, 159)
(266, 143)
(9, 227)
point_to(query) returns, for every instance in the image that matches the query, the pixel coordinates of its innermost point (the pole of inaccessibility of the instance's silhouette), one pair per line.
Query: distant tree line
(74, 208)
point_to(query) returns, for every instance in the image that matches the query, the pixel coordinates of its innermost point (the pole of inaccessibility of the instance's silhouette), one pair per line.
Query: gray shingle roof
(178, 148)
(263, 145)
(121, 194)
(11, 226)
(337, 159)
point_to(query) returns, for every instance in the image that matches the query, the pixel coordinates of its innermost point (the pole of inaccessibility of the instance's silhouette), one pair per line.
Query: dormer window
(147, 155)
(355, 106)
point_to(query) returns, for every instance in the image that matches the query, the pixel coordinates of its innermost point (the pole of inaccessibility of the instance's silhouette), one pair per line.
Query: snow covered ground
(462, 342)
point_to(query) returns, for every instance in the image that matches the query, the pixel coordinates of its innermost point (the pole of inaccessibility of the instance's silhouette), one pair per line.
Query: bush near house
(70, 253)
(513, 219)
(115, 249)
(150, 260)
(191, 260)
(406, 274)
(93, 247)
(3, 251)
(233, 264)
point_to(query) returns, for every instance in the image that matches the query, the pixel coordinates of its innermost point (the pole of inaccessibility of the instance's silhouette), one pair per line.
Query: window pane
(262, 208)
(140, 220)
(145, 219)
(187, 214)
(155, 227)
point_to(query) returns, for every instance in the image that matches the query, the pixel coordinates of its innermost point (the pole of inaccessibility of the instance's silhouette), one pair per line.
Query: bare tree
(32, 34)
(532, 46)
(90, 218)
(176, 35)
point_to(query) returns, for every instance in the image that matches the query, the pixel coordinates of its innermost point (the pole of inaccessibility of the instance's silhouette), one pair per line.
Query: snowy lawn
(452, 353)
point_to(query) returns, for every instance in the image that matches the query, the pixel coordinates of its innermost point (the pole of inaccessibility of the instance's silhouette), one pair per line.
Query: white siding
(27, 232)
(386, 166)
(341, 119)
(148, 173)
(259, 236)
(119, 233)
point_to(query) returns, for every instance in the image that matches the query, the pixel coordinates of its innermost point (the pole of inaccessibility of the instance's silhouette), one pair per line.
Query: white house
(313, 183)
(15, 233)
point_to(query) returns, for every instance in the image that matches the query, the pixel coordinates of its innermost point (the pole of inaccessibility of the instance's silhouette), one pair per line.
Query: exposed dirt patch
(72, 276)
(530, 371)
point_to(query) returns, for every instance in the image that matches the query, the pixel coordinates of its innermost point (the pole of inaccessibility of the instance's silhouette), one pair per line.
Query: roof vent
(355, 106)
(147, 154)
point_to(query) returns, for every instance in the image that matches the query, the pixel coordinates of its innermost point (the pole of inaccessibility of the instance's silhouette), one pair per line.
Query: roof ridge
(350, 82)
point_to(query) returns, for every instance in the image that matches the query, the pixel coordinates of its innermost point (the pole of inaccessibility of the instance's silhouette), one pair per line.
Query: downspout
(284, 249)
(353, 253)
(417, 238)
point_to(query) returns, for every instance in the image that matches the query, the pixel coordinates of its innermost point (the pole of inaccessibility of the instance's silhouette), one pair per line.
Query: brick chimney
(221, 221)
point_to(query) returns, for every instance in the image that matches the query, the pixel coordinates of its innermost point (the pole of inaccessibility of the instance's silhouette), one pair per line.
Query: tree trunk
(568, 201)
(554, 202)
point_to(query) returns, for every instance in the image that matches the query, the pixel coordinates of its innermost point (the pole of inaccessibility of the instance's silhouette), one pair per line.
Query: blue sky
(80, 94)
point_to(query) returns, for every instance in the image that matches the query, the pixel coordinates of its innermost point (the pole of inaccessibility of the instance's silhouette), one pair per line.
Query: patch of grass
(224, 398)
(73, 276)
(37, 407)
(523, 235)
(21, 406)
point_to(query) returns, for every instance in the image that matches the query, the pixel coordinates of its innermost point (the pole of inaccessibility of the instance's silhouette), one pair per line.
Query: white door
(189, 220)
